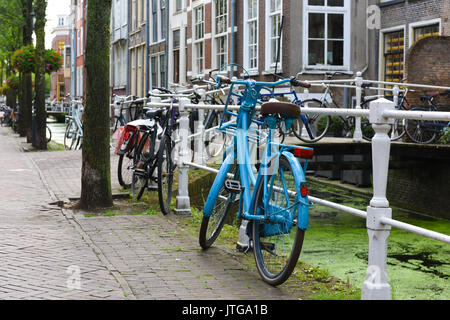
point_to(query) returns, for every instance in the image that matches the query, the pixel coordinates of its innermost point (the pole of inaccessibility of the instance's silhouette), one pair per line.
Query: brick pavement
(148, 257)
(37, 244)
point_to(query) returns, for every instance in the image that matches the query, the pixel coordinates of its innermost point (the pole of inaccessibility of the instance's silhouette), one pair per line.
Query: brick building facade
(60, 80)
(403, 23)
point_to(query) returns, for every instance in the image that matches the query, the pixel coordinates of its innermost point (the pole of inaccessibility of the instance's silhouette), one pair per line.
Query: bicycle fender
(217, 185)
(299, 176)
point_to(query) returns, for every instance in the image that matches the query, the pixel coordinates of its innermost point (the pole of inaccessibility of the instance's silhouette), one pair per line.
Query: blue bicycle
(275, 200)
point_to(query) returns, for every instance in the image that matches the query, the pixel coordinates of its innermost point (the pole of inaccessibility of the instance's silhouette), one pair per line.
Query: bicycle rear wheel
(419, 130)
(140, 178)
(165, 174)
(212, 226)
(277, 245)
(124, 172)
(316, 125)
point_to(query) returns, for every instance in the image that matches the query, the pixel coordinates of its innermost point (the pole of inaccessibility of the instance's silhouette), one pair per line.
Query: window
(133, 15)
(273, 26)
(158, 70)
(199, 34)
(178, 5)
(162, 10)
(154, 71)
(158, 11)
(393, 52)
(176, 56)
(221, 28)
(421, 32)
(67, 58)
(326, 39)
(251, 34)
(162, 70)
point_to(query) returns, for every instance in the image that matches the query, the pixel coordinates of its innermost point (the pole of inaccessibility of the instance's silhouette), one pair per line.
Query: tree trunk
(96, 175)
(39, 101)
(26, 99)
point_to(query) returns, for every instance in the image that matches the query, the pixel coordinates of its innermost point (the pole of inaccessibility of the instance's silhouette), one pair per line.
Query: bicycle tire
(124, 174)
(69, 133)
(214, 149)
(417, 131)
(216, 221)
(165, 175)
(318, 124)
(49, 134)
(266, 236)
(366, 126)
(139, 181)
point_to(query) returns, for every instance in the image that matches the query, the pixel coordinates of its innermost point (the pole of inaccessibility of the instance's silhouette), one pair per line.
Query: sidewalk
(39, 249)
(125, 256)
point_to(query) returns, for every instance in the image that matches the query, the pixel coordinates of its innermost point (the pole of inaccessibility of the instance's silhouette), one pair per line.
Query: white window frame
(269, 64)
(217, 36)
(421, 24)
(346, 11)
(247, 44)
(197, 41)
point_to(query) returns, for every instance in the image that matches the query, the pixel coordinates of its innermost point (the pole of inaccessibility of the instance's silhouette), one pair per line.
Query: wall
(428, 62)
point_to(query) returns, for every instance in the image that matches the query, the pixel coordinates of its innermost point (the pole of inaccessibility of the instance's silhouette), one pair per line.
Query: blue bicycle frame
(239, 150)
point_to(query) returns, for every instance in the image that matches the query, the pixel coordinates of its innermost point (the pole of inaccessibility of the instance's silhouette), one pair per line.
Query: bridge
(57, 111)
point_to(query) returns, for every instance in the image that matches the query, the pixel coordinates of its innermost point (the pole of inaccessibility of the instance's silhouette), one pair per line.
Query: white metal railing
(378, 214)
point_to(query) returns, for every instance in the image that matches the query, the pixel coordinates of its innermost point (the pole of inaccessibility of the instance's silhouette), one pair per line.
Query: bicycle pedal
(233, 186)
(140, 171)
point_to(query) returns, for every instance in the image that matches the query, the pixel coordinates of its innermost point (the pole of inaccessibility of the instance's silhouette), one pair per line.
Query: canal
(417, 267)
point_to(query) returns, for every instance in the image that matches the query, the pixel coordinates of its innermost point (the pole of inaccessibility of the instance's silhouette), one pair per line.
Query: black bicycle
(153, 166)
(426, 131)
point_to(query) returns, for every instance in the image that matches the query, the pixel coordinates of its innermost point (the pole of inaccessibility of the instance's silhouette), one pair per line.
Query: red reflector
(126, 136)
(303, 189)
(304, 153)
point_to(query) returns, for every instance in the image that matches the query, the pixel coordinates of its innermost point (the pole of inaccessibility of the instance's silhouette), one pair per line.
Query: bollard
(357, 135)
(183, 205)
(376, 286)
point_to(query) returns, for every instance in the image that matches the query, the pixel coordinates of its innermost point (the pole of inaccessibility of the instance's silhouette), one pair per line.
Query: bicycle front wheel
(277, 245)
(315, 125)
(165, 175)
(212, 226)
(419, 130)
(70, 136)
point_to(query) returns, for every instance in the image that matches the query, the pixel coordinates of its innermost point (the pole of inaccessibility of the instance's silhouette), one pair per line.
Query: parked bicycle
(153, 166)
(73, 135)
(274, 201)
(426, 131)
(318, 125)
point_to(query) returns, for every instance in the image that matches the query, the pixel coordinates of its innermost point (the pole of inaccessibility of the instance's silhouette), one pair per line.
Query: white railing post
(357, 135)
(152, 184)
(199, 154)
(396, 92)
(376, 286)
(305, 97)
(183, 205)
